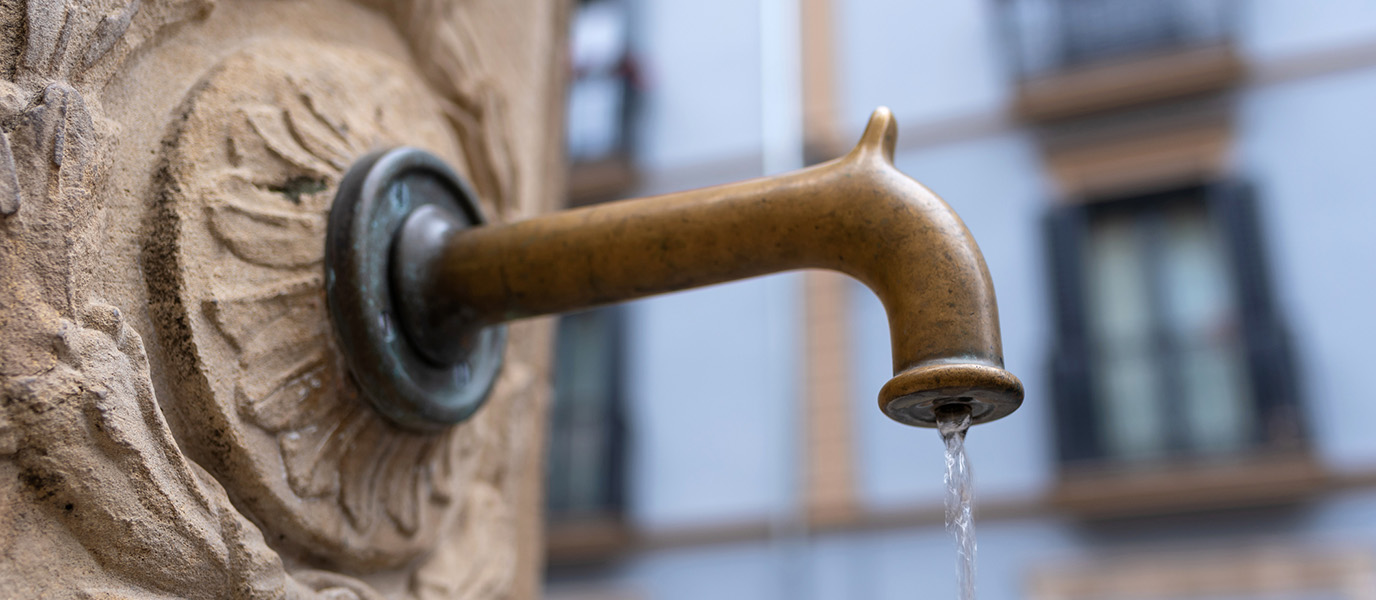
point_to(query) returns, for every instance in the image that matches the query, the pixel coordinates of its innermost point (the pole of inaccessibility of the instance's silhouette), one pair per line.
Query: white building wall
(702, 67)
(1310, 146)
(713, 403)
(928, 61)
(1272, 30)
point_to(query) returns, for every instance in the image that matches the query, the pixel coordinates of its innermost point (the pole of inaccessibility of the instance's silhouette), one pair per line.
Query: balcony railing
(1044, 37)
(1074, 58)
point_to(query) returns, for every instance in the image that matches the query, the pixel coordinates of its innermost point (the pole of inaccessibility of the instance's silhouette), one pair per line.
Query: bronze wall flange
(419, 377)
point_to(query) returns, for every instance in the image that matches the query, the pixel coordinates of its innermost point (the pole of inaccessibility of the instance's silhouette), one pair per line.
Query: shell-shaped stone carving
(268, 407)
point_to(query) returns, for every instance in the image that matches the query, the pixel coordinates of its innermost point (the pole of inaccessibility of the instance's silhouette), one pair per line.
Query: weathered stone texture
(174, 419)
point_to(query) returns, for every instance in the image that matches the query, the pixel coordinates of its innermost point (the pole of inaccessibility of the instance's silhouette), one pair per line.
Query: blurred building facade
(1173, 199)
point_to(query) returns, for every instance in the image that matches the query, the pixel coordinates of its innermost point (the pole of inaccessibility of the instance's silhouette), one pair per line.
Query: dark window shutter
(1076, 417)
(1270, 360)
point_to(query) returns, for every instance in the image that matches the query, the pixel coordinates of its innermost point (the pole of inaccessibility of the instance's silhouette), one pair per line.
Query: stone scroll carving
(206, 442)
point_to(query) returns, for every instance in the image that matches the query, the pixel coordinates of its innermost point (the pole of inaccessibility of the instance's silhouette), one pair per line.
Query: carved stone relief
(174, 419)
(247, 189)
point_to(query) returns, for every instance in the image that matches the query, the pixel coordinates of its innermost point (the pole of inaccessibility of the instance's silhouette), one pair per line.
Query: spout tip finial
(880, 135)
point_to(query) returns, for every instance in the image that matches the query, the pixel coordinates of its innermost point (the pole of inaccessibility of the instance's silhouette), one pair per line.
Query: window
(602, 92)
(1168, 343)
(587, 430)
(601, 102)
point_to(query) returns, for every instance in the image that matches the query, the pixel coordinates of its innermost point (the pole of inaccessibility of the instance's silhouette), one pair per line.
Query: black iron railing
(1043, 37)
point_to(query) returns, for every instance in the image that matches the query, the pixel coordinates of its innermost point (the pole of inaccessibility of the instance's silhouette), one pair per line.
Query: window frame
(1231, 207)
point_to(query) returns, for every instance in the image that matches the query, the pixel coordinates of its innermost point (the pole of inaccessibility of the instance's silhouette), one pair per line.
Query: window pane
(594, 118)
(1130, 393)
(1201, 320)
(1218, 413)
(1199, 303)
(598, 94)
(1119, 300)
(1127, 383)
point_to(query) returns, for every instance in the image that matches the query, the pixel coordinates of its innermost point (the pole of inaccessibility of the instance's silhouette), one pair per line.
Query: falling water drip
(953, 421)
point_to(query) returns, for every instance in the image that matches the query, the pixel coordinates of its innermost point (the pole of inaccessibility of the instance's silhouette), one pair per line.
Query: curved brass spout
(453, 281)
(857, 214)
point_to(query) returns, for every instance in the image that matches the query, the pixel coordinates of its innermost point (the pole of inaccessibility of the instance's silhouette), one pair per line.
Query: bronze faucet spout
(857, 214)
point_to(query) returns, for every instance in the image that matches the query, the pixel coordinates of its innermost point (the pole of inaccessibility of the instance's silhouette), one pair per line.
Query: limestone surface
(175, 420)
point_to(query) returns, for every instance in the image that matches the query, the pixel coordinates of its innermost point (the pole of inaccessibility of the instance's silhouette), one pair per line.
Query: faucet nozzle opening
(960, 408)
(915, 396)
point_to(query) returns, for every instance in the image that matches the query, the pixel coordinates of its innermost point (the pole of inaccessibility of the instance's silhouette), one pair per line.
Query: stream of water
(960, 494)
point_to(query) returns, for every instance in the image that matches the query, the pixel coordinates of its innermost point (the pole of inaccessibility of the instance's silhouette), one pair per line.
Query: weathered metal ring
(375, 198)
(914, 396)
